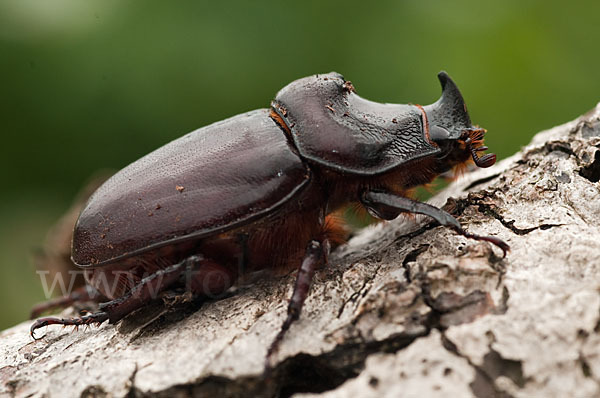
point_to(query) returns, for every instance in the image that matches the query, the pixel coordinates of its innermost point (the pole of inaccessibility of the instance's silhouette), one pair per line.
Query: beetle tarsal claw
(492, 239)
(37, 324)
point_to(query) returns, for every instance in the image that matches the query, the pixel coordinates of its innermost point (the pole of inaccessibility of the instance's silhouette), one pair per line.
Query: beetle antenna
(484, 161)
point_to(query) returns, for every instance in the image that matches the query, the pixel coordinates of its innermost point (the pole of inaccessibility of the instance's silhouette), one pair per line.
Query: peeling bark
(406, 308)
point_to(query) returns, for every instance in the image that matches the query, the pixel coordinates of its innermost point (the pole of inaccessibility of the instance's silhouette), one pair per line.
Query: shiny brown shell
(211, 180)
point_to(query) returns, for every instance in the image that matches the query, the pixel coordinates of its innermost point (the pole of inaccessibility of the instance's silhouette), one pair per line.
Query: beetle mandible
(258, 189)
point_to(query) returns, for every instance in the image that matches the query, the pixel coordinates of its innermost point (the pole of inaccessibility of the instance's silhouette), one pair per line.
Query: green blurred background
(95, 84)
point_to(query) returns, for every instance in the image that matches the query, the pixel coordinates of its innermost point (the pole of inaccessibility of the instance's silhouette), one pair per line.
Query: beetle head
(451, 129)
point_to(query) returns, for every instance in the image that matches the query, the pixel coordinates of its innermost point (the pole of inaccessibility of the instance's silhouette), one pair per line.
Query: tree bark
(406, 308)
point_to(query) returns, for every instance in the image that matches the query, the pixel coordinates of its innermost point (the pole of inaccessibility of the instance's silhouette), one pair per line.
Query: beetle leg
(315, 253)
(388, 206)
(147, 289)
(81, 294)
(97, 317)
(116, 309)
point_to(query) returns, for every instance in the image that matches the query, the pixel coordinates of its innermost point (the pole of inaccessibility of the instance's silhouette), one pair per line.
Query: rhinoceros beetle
(260, 189)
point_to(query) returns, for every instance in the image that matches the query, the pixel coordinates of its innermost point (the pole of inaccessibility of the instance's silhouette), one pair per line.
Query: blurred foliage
(98, 83)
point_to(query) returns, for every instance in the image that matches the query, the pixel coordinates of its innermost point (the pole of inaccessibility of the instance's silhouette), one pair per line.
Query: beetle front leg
(388, 206)
(315, 253)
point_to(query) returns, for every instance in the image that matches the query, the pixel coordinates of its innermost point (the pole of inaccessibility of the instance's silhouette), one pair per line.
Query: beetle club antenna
(475, 137)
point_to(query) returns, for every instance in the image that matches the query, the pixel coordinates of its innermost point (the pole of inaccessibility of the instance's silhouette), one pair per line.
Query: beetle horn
(452, 100)
(449, 112)
(449, 120)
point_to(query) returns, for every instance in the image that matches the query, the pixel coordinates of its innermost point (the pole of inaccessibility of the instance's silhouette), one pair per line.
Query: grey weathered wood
(402, 310)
